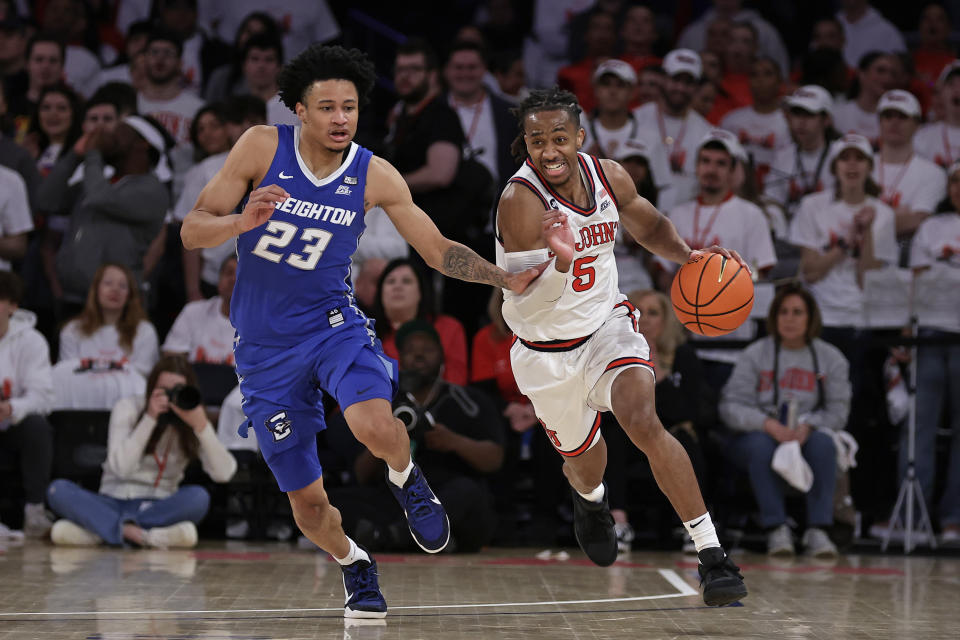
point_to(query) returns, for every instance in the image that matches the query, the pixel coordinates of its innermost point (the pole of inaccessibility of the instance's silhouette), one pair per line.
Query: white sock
(702, 531)
(594, 496)
(399, 478)
(355, 553)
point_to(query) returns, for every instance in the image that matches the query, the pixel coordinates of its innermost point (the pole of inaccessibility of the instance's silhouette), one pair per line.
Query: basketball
(712, 295)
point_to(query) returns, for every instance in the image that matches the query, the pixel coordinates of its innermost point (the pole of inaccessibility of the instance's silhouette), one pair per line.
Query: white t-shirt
(850, 118)
(479, 132)
(795, 174)
(936, 244)
(680, 139)
(228, 424)
(80, 68)
(203, 333)
(872, 32)
(15, 215)
(176, 114)
(820, 222)
(919, 184)
(118, 73)
(761, 134)
(609, 141)
(938, 142)
(195, 180)
(104, 346)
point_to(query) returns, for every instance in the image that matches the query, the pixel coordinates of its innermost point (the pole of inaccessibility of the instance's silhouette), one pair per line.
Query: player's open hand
(559, 237)
(730, 254)
(260, 206)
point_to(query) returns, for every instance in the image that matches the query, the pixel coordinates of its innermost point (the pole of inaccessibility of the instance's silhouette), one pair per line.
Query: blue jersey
(293, 273)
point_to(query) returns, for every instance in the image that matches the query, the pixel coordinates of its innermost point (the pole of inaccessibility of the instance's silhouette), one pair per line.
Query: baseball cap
(618, 68)
(417, 325)
(952, 68)
(729, 142)
(632, 148)
(812, 98)
(850, 141)
(683, 61)
(899, 100)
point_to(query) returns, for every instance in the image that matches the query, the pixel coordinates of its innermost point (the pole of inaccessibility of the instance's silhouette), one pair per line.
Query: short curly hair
(553, 99)
(319, 62)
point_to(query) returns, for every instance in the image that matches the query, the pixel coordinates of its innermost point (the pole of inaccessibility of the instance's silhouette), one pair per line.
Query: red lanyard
(890, 193)
(161, 464)
(701, 239)
(669, 140)
(477, 112)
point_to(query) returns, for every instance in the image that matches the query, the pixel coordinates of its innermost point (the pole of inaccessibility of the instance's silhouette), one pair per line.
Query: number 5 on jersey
(585, 276)
(279, 234)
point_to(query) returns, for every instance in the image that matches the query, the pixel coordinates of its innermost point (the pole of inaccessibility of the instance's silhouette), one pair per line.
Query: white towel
(789, 463)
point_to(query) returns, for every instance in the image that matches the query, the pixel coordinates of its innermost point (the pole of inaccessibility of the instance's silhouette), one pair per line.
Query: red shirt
(490, 360)
(454, 341)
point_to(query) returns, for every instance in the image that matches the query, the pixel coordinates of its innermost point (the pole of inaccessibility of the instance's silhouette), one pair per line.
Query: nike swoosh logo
(694, 525)
(364, 390)
(284, 177)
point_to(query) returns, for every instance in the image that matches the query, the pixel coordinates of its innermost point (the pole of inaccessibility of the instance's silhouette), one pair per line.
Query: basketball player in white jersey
(579, 350)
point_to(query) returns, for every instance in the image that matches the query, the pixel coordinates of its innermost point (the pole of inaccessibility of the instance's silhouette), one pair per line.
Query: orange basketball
(712, 295)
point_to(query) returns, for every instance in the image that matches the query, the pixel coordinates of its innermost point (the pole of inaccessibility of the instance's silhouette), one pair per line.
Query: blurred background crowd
(820, 139)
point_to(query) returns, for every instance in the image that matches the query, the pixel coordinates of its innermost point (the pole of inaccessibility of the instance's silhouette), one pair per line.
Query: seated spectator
(935, 259)
(208, 132)
(15, 218)
(456, 439)
(108, 349)
(43, 68)
(599, 40)
(875, 77)
(365, 276)
(227, 80)
(934, 51)
(115, 218)
(26, 395)
(789, 387)
(130, 67)
(940, 141)
(678, 389)
(12, 155)
(865, 30)
(202, 332)
(403, 296)
(150, 442)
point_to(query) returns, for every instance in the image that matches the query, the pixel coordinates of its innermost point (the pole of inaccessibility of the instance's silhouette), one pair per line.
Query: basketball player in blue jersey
(580, 351)
(299, 330)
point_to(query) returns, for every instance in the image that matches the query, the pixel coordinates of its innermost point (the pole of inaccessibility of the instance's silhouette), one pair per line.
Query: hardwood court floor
(274, 591)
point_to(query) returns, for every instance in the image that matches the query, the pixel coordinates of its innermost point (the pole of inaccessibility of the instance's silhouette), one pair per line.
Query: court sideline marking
(671, 576)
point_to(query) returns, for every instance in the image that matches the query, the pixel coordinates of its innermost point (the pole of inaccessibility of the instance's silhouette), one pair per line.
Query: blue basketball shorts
(282, 393)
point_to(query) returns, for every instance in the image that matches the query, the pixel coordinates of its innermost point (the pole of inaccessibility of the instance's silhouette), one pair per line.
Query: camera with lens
(416, 419)
(185, 396)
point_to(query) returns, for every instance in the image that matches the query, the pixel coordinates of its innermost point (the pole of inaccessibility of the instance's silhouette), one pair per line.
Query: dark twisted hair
(553, 99)
(319, 62)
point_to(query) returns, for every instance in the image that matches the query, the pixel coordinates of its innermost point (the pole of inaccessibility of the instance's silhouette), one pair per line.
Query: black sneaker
(720, 578)
(593, 527)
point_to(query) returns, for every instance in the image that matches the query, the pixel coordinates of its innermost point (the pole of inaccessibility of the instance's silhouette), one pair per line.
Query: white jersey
(938, 142)
(592, 287)
(762, 134)
(918, 184)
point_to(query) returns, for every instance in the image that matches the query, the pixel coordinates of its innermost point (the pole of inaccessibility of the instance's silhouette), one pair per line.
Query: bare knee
(312, 509)
(643, 427)
(380, 432)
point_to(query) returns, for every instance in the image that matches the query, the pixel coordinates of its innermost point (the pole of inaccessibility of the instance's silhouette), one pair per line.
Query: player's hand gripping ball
(712, 295)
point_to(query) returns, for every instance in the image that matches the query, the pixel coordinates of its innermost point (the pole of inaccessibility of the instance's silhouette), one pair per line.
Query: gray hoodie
(25, 367)
(747, 399)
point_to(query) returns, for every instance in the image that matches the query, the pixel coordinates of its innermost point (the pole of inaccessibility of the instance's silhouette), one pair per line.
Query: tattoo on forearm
(462, 263)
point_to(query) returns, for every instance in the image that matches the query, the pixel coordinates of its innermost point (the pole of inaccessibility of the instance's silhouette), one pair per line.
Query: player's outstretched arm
(211, 221)
(649, 226)
(386, 188)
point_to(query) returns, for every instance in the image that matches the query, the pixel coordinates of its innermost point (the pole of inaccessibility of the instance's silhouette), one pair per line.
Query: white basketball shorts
(569, 381)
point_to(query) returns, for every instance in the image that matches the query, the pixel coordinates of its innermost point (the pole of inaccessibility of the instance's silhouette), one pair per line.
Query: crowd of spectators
(830, 159)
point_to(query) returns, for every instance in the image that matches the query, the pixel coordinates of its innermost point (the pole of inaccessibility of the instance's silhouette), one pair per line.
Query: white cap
(952, 67)
(850, 141)
(618, 68)
(632, 148)
(729, 142)
(683, 61)
(812, 98)
(899, 100)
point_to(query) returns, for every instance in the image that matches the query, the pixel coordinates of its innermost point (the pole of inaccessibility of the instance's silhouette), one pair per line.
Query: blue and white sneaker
(426, 517)
(362, 591)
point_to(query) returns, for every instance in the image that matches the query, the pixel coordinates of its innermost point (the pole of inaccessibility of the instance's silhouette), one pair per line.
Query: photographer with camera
(456, 436)
(151, 441)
